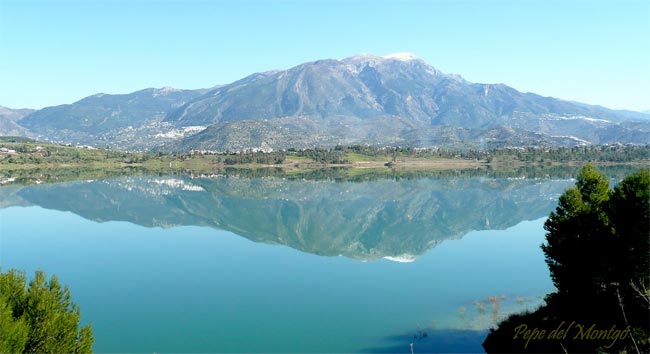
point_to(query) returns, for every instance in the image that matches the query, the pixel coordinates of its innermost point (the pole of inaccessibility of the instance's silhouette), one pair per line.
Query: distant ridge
(395, 99)
(9, 118)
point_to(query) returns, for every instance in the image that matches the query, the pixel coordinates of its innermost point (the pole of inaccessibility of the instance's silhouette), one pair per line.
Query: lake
(229, 263)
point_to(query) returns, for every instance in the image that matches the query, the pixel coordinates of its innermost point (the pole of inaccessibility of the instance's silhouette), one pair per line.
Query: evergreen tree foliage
(578, 234)
(39, 317)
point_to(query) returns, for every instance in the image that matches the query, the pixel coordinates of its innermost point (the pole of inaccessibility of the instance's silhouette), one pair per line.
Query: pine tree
(578, 235)
(39, 318)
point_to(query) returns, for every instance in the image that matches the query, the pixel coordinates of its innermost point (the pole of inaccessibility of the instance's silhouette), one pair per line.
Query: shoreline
(404, 164)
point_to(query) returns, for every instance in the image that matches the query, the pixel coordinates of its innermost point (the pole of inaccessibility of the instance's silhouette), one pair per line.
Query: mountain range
(366, 99)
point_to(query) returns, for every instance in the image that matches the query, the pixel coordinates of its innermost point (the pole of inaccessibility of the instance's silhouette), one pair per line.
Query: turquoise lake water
(175, 264)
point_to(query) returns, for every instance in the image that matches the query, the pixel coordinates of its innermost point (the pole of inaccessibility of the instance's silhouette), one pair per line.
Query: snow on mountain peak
(403, 56)
(164, 91)
(371, 58)
(363, 57)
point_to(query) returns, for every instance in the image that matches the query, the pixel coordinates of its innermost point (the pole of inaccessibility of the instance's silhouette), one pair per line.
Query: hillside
(392, 100)
(364, 99)
(117, 121)
(9, 118)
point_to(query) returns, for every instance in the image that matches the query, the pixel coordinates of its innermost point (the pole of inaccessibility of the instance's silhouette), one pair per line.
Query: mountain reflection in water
(398, 220)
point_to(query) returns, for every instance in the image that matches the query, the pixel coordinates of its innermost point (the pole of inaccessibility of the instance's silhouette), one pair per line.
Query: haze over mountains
(392, 100)
(8, 119)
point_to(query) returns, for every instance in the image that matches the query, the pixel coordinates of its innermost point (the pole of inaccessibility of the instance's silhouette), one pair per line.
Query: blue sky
(59, 51)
